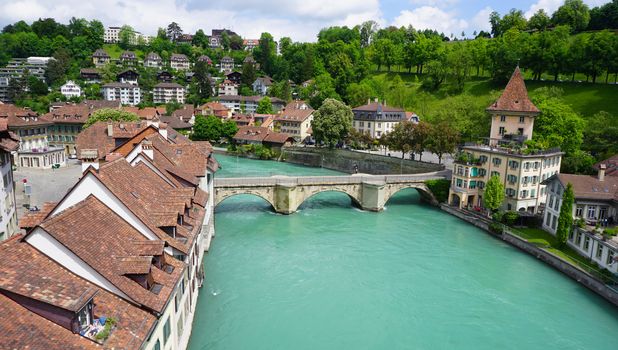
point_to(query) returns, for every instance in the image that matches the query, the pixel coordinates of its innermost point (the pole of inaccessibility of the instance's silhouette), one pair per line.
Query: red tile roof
(21, 117)
(611, 165)
(294, 115)
(589, 187)
(260, 134)
(90, 221)
(514, 98)
(46, 281)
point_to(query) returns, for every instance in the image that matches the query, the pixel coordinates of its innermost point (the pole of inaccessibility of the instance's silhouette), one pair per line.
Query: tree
(573, 13)
(421, 136)
(174, 32)
(264, 106)
(229, 129)
(565, 220)
(207, 128)
(248, 74)
(367, 30)
(202, 81)
(443, 140)
(539, 21)
(401, 138)
(266, 53)
(494, 193)
(57, 68)
(331, 122)
(126, 37)
(200, 39)
(110, 115)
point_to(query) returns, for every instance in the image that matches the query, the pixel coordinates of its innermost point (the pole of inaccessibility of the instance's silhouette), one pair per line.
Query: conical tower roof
(515, 97)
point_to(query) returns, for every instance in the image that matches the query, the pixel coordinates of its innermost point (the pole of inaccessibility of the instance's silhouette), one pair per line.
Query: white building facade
(70, 89)
(127, 94)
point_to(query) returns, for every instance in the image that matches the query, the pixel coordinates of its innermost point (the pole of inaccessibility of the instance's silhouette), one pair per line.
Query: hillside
(585, 98)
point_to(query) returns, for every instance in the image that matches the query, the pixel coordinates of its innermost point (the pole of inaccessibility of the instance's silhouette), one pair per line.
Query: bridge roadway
(287, 193)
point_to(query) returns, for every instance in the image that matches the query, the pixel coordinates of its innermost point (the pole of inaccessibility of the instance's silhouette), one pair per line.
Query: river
(411, 277)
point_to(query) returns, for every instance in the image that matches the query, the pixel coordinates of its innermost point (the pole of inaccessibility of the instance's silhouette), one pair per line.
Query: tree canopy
(331, 122)
(494, 193)
(110, 115)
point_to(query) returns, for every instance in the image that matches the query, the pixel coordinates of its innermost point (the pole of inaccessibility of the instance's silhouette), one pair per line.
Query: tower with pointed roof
(512, 115)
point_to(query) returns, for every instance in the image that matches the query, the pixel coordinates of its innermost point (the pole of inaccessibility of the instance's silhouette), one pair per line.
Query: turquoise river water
(411, 277)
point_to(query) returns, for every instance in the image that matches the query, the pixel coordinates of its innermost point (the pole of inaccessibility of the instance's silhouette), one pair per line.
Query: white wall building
(70, 89)
(127, 94)
(168, 92)
(8, 216)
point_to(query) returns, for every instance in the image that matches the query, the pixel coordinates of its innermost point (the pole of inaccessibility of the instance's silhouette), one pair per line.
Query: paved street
(47, 185)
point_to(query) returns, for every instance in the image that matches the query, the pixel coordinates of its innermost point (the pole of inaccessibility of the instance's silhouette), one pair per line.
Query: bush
(495, 227)
(510, 218)
(439, 188)
(497, 216)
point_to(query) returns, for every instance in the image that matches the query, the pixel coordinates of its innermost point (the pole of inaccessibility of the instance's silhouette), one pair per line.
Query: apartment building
(70, 89)
(250, 44)
(128, 58)
(153, 60)
(522, 171)
(168, 92)
(128, 76)
(377, 118)
(228, 88)
(31, 129)
(247, 104)
(9, 143)
(295, 121)
(127, 94)
(261, 85)
(226, 64)
(111, 35)
(15, 69)
(179, 61)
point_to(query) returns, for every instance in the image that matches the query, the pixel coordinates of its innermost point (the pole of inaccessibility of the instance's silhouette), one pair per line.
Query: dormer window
(84, 316)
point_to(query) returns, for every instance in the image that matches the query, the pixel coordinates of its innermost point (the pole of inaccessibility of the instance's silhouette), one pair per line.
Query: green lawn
(549, 242)
(585, 98)
(114, 51)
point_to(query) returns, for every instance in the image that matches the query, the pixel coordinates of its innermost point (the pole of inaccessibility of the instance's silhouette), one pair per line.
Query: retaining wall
(347, 161)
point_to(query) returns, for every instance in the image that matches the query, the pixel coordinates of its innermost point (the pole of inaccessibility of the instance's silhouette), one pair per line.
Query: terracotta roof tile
(33, 218)
(514, 98)
(589, 187)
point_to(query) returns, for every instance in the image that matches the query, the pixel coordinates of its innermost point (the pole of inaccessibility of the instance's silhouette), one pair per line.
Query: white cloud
(480, 21)
(428, 17)
(435, 3)
(552, 5)
(299, 19)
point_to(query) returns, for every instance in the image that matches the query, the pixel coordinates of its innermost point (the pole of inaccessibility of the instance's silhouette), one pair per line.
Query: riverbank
(567, 268)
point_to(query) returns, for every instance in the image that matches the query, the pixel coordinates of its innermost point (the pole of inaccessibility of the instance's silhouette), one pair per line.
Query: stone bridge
(286, 194)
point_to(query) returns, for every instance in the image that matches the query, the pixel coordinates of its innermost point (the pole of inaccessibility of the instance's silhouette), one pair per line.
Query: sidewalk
(428, 157)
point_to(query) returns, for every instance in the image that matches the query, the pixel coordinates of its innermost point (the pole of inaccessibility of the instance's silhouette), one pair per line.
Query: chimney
(602, 168)
(163, 130)
(147, 149)
(110, 129)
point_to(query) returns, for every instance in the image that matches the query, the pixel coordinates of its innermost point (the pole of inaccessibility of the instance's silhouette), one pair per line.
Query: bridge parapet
(286, 194)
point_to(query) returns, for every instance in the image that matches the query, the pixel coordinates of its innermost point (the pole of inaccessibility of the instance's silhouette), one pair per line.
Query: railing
(320, 180)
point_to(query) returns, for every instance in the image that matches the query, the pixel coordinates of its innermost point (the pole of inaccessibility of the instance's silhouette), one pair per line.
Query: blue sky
(299, 19)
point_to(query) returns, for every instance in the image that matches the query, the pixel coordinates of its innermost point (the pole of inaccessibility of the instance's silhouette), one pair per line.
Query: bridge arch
(221, 196)
(421, 188)
(354, 197)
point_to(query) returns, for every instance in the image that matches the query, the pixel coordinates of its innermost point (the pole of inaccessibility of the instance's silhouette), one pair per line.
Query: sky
(299, 19)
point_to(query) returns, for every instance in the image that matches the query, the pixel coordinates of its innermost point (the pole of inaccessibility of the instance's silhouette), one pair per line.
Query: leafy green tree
(236, 42)
(248, 74)
(401, 138)
(37, 87)
(58, 67)
(421, 135)
(601, 134)
(281, 90)
(266, 52)
(110, 115)
(207, 128)
(539, 21)
(321, 89)
(565, 220)
(367, 30)
(331, 122)
(359, 93)
(493, 196)
(604, 17)
(174, 32)
(264, 106)
(573, 13)
(126, 37)
(202, 81)
(200, 39)
(443, 140)
(229, 129)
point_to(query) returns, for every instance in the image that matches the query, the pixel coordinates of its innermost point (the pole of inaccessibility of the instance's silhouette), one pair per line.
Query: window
(495, 173)
(501, 131)
(578, 238)
(83, 317)
(521, 120)
(579, 211)
(166, 331)
(571, 235)
(586, 243)
(599, 251)
(592, 211)
(520, 131)
(157, 345)
(480, 184)
(497, 161)
(557, 204)
(524, 194)
(533, 193)
(551, 201)
(472, 184)
(610, 258)
(513, 164)
(503, 118)
(482, 172)
(548, 219)
(511, 179)
(553, 223)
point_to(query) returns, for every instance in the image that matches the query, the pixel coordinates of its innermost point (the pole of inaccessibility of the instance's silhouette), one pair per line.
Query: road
(447, 159)
(47, 184)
